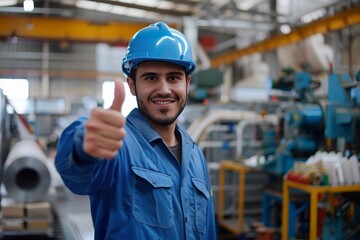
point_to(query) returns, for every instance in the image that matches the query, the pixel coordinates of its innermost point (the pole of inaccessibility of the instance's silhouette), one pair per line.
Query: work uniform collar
(143, 125)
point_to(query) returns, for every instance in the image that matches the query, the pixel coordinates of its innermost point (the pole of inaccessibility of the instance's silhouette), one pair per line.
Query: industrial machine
(308, 127)
(343, 113)
(303, 122)
(342, 128)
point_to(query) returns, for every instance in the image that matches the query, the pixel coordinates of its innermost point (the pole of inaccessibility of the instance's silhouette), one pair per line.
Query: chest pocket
(201, 195)
(152, 198)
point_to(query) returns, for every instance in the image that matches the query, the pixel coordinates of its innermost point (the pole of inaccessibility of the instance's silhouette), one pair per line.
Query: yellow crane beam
(60, 29)
(336, 22)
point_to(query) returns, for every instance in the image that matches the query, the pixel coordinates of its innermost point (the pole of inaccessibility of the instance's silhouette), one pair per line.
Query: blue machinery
(343, 111)
(342, 128)
(305, 120)
(304, 125)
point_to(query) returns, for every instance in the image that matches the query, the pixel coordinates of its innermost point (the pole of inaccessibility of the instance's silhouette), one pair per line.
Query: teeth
(163, 102)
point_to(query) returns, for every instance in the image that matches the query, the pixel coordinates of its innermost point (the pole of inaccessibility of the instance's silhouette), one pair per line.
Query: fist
(104, 131)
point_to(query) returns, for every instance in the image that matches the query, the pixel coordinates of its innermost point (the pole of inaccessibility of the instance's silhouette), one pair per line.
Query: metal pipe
(26, 175)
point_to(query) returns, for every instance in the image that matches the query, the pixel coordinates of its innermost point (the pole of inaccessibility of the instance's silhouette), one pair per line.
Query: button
(154, 181)
(185, 219)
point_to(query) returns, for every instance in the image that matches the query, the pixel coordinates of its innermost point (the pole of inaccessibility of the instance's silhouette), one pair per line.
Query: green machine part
(203, 82)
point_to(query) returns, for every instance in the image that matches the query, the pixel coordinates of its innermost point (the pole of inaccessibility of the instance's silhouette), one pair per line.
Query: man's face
(161, 91)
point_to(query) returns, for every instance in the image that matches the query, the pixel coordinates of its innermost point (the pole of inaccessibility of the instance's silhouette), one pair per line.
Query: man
(145, 177)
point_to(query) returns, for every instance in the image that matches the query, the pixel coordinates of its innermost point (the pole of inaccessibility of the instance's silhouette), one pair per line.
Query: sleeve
(80, 172)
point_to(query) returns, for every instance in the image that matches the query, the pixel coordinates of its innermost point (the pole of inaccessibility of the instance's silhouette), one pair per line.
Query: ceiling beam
(111, 31)
(60, 29)
(63, 73)
(336, 22)
(234, 24)
(88, 14)
(146, 8)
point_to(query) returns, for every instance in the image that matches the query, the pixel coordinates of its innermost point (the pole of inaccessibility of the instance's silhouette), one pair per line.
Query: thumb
(119, 95)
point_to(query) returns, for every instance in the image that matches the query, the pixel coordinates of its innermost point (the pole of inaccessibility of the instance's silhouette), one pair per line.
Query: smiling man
(145, 177)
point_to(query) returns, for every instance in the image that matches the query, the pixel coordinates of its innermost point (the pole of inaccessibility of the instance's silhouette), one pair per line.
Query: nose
(163, 87)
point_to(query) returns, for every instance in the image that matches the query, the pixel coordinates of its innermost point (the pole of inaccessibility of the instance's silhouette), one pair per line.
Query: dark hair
(132, 74)
(186, 73)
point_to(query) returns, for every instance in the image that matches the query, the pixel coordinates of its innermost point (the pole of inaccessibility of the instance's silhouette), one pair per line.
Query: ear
(188, 80)
(131, 84)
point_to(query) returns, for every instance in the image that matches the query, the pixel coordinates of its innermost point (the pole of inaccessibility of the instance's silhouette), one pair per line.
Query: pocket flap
(156, 179)
(201, 186)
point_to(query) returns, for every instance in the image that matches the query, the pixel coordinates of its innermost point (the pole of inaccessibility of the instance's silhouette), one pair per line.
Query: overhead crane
(63, 29)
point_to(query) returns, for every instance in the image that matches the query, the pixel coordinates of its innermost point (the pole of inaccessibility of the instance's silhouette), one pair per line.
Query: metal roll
(4, 130)
(26, 175)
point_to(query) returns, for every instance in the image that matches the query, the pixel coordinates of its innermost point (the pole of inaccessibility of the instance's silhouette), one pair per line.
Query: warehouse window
(15, 88)
(108, 96)
(17, 91)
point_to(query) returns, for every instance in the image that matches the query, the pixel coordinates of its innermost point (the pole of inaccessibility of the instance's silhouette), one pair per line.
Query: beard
(161, 121)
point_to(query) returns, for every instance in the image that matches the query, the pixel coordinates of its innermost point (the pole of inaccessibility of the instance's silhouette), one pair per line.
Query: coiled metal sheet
(25, 173)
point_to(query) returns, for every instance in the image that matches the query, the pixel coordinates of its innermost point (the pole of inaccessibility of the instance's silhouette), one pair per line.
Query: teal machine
(303, 121)
(343, 113)
(306, 126)
(203, 85)
(342, 128)
(302, 135)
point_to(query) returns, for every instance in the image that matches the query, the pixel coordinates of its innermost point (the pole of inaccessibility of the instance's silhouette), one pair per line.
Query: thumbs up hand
(119, 95)
(104, 131)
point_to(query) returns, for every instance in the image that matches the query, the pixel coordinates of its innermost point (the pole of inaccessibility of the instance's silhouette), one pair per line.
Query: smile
(163, 102)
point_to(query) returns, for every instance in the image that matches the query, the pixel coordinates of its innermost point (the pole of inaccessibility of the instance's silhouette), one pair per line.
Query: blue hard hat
(158, 42)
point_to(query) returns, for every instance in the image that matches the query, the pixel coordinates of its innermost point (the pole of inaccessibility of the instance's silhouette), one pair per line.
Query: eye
(174, 78)
(150, 78)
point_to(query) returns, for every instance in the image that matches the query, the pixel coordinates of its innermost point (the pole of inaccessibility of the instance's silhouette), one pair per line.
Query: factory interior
(274, 105)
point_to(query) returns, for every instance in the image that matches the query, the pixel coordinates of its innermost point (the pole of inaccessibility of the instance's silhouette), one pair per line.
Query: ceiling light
(166, 5)
(152, 15)
(150, 3)
(136, 13)
(285, 29)
(104, 7)
(312, 16)
(119, 10)
(28, 5)
(86, 4)
(4, 3)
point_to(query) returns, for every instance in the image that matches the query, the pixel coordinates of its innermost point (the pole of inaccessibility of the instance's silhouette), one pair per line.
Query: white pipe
(197, 128)
(204, 58)
(215, 144)
(239, 133)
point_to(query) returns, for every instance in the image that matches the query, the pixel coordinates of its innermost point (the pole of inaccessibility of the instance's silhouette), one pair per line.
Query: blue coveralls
(143, 193)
